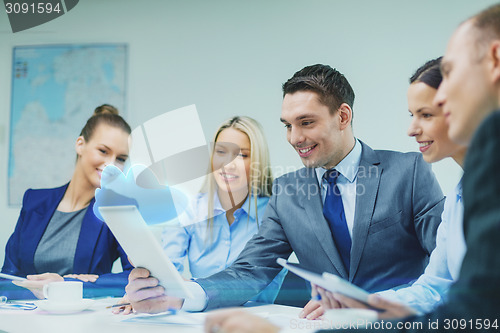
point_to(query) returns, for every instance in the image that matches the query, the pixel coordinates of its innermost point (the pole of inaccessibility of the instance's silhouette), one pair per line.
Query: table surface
(99, 319)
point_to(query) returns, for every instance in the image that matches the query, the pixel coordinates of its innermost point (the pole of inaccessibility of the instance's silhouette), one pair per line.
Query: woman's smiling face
(231, 160)
(107, 145)
(428, 124)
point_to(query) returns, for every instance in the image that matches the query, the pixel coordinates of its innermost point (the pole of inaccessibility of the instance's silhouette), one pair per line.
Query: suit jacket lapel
(313, 206)
(368, 180)
(85, 248)
(43, 214)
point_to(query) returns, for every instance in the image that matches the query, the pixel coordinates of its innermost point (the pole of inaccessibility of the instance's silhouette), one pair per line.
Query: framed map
(55, 89)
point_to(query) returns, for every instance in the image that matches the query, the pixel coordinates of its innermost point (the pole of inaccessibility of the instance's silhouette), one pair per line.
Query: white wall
(231, 57)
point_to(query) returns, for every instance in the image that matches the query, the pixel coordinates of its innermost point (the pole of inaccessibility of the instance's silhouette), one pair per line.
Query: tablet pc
(141, 246)
(328, 281)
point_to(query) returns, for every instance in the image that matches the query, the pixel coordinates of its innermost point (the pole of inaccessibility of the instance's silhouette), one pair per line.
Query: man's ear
(345, 114)
(80, 143)
(495, 57)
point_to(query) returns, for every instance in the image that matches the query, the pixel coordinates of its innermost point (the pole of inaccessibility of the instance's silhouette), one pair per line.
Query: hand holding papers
(350, 295)
(328, 281)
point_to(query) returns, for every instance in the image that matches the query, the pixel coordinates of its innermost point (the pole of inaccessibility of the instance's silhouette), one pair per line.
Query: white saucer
(65, 308)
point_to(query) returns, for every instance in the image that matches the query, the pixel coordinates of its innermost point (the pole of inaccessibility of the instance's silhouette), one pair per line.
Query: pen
(117, 305)
(171, 310)
(11, 277)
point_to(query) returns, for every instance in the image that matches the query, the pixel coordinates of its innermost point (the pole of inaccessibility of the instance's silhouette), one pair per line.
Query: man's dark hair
(331, 86)
(429, 73)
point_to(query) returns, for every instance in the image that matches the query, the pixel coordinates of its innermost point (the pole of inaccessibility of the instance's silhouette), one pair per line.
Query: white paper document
(169, 318)
(328, 281)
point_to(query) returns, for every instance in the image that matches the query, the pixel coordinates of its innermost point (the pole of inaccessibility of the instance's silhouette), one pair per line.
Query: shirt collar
(219, 210)
(348, 167)
(458, 190)
(217, 205)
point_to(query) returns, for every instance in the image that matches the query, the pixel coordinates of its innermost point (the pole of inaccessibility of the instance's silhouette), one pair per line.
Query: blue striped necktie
(333, 210)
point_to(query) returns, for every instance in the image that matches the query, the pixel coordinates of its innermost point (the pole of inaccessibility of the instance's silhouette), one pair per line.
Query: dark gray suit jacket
(398, 209)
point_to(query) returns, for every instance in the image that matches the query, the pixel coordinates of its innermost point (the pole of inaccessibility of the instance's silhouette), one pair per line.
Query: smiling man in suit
(470, 97)
(369, 216)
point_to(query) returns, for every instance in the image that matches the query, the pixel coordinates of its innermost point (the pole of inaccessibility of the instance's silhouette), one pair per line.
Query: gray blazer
(398, 209)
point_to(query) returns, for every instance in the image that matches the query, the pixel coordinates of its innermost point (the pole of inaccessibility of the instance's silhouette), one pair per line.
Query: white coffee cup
(63, 292)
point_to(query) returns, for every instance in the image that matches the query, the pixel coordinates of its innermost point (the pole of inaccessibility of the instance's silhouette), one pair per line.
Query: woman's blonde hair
(260, 180)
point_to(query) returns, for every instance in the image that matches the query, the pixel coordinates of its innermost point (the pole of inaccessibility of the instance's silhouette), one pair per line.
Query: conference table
(98, 318)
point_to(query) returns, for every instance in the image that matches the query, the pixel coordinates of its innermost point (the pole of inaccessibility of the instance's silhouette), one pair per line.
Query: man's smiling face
(312, 130)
